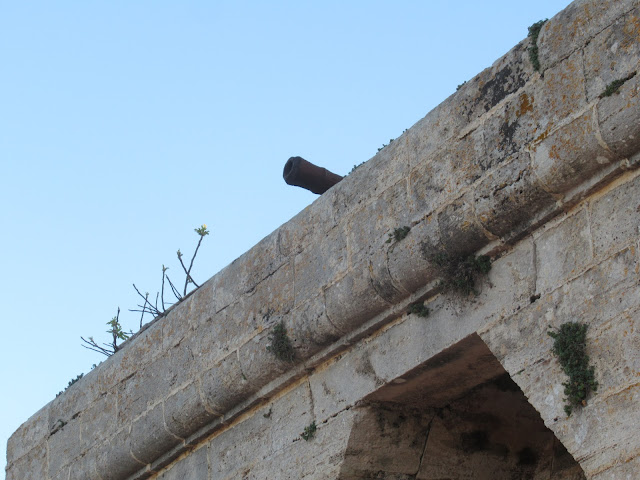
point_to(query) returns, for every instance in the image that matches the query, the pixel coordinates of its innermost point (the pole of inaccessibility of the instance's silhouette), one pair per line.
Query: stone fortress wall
(538, 170)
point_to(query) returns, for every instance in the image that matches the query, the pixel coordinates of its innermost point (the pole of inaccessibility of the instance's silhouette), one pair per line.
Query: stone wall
(535, 169)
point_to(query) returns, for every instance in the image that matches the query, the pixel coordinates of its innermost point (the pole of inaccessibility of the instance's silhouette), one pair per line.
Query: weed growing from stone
(116, 333)
(419, 309)
(614, 86)
(71, 382)
(569, 346)
(281, 345)
(386, 145)
(309, 432)
(461, 85)
(534, 32)
(398, 234)
(356, 166)
(461, 273)
(154, 309)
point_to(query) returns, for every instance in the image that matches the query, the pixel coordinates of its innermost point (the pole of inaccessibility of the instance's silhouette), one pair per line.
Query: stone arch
(457, 416)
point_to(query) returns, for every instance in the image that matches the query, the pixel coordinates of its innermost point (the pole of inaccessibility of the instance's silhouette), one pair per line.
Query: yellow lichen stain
(553, 152)
(544, 134)
(526, 105)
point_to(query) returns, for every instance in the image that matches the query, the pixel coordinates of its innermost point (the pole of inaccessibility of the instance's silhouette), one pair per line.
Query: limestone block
(114, 460)
(563, 251)
(31, 465)
(64, 445)
(352, 300)
(185, 412)
(460, 231)
(309, 328)
(85, 467)
(235, 451)
(507, 198)
(440, 178)
(604, 432)
(625, 470)
(178, 323)
(536, 110)
(602, 292)
(408, 261)
(76, 398)
(149, 437)
(615, 218)
(368, 181)
(317, 269)
(268, 303)
(133, 354)
(309, 226)
(615, 349)
(195, 465)
(576, 25)
(570, 155)
(224, 385)
(619, 117)
(370, 226)
(145, 388)
(289, 416)
(612, 54)
(339, 385)
(243, 274)
(487, 89)
(259, 366)
(98, 420)
(29, 435)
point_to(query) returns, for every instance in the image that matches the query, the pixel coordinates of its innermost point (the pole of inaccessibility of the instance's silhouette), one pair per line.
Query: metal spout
(299, 172)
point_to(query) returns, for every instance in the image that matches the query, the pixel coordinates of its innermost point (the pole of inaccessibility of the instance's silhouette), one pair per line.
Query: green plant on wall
(569, 346)
(534, 32)
(309, 431)
(281, 345)
(398, 234)
(461, 273)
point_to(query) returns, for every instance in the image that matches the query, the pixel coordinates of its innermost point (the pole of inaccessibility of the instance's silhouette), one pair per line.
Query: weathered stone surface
(29, 435)
(570, 155)
(224, 385)
(576, 25)
(511, 188)
(618, 114)
(556, 264)
(195, 466)
(613, 54)
(501, 166)
(185, 411)
(615, 218)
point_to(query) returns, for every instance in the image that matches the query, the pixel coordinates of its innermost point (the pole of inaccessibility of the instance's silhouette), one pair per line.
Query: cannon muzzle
(299, 172)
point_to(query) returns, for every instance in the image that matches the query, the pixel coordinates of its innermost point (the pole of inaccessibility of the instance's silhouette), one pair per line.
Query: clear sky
(126, 124)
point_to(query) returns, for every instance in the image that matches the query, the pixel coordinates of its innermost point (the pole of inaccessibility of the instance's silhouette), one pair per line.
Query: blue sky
(124, 125)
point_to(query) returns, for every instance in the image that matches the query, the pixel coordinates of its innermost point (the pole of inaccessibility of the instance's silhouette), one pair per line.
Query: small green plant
(309, 431)
(281, 345)
(116, 333)
(569, 344)
(385, 144)
(398, 234)
(461, 273)
(534, 32)
(461, 85)
(419, 309)
(71, 382)
(356, 166)
(614, 86)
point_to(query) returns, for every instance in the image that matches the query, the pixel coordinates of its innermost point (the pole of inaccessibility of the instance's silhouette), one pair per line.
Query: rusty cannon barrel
(299, 172)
